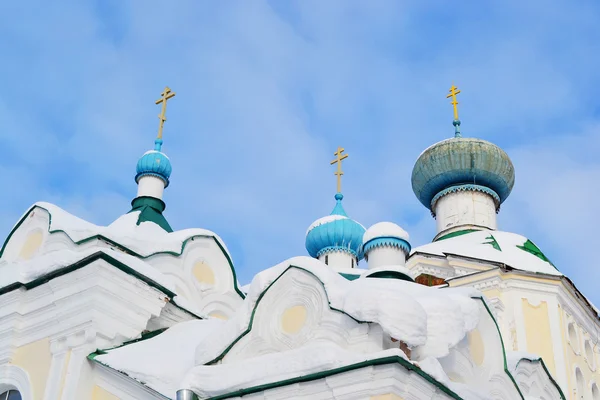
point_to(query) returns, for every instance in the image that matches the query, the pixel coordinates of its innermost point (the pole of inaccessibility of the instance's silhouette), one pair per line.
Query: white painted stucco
(455, 210)
(385, 255)
(151, 186)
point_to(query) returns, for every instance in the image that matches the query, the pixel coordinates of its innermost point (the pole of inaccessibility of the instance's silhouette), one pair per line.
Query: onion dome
(462, 164)
(154, 163)
(385, 234)
(335, 232)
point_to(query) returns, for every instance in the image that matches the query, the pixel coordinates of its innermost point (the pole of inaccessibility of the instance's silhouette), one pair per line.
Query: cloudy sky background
(266, 91)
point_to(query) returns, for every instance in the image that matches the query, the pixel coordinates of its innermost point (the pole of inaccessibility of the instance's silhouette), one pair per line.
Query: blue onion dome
(461, 164)
(385, 234)
(335, 232)
(154, 163)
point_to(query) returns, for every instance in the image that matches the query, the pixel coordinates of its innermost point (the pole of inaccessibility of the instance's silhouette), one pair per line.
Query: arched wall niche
(15, 378)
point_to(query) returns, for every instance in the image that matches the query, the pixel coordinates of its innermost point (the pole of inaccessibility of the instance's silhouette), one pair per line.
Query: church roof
(508, 248)
(150, 210)
(404, 315)
(135, 233)
(143, 239)
(461, 161)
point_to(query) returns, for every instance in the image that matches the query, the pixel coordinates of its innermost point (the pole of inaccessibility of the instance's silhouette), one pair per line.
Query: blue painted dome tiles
(461, 161)
(335, 232)
(154, 163)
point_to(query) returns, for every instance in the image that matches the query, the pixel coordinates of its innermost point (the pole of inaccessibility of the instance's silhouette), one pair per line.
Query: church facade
(136, 310)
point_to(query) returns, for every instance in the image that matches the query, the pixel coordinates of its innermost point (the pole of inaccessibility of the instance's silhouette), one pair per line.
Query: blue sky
(267, 90)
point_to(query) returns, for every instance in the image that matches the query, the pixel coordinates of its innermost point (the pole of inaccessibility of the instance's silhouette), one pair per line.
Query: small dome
(463, 161)
(386, 234)
(335, 232)
(154, 163)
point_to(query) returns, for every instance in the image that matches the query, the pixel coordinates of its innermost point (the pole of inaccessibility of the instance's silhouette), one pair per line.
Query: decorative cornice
(159, 176)
(387, 241)
(338, 249)
(123, 248)
(465, 188)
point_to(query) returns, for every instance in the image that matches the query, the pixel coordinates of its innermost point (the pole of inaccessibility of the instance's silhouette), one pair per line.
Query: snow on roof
(514, 357)
(145, 239)
(496, 246)
(385, 229)
(29, 270)
(161, 362)
(400, 307)
(324, 220)
(156, 151)
(429, 320)
(212, 380)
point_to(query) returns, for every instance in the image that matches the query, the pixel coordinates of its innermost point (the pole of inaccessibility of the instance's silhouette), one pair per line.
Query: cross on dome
(453, 92)
(338, 161)
(165, 95)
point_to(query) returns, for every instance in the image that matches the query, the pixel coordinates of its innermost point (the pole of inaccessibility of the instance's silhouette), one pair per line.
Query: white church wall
(538, 314)
(151, 186)
(459, 210)
(338, 260)
(53, 327)
(203, 275)
(296, 311)
(380, 382)
(385, 256)
(478, 361)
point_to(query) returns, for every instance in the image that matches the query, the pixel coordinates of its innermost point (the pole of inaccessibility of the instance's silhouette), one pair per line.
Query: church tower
(336, 239)
(463, 181)
(152, 175)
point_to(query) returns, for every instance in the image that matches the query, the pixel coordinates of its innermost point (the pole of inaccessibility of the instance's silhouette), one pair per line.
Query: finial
(339, 173)
(453, 92)
(165, 95)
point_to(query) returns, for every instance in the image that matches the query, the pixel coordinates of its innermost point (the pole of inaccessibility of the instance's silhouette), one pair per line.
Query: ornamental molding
(391, 242)
(96, 304)
(338, 249)
(465, 188)
(13, 377)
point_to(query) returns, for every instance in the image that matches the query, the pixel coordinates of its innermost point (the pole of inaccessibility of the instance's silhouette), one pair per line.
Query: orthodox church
(135, 310)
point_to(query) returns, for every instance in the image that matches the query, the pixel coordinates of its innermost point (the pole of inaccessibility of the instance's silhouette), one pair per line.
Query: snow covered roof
(144, 240)
(512, 249)
(429, 320)
(27, 271)
(385, 229)
(31, 273)
(162, 361)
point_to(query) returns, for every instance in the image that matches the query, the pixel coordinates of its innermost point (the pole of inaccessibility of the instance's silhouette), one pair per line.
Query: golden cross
(339, 173)
(165, 95)
(453, 92)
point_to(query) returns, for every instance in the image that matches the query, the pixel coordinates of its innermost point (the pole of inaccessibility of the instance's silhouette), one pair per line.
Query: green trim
(457, 233)
(390, 274)
(145, 336)
(493, 242)
(323, 374)
(121, 247)
(503, 348)
(258, 300)
(151, 210)
(531, 248)
(350, 277)
(99, 255)
(562, 395)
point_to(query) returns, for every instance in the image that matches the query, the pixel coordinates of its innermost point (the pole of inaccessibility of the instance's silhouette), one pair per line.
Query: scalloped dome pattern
(460, 161)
